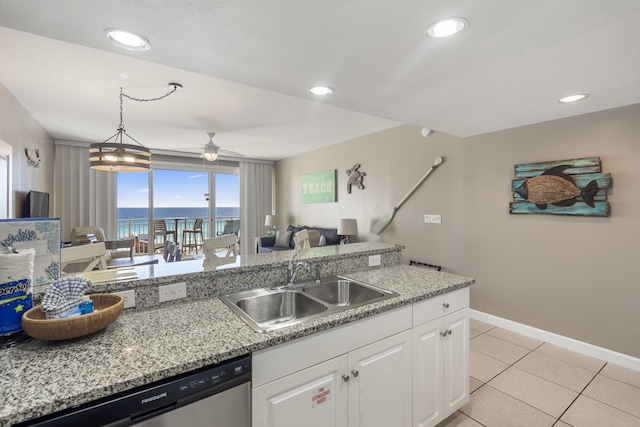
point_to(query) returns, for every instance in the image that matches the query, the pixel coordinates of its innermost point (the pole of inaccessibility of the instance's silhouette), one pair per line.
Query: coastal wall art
(319, 187)
(565, 187)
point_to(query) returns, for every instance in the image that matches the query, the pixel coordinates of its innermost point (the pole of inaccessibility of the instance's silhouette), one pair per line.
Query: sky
(176, 189)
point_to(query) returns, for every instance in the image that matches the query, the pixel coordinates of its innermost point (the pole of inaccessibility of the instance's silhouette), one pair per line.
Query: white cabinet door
(427, 374)
(456, 361)
(314, 397)
(380, 385)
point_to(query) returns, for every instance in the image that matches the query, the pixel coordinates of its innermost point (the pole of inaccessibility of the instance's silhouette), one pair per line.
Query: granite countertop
(143, 346)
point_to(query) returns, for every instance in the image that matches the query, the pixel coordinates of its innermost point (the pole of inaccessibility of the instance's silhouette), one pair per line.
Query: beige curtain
(82, 196)
(256, 201)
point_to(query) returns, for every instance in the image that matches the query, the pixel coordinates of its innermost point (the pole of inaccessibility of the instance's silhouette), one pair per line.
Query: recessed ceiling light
(321, 90)
(127, 39)
(573, 98)
(446, 28)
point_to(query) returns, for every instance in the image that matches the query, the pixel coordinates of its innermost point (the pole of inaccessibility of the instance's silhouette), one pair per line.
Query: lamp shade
(270, 220)
(348, 227)
(118, 157)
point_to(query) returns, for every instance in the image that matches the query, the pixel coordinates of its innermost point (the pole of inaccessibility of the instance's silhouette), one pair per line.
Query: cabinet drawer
(432, 308)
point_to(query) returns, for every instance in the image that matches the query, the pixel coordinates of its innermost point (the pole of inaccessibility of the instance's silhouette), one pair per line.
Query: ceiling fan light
(210, 157)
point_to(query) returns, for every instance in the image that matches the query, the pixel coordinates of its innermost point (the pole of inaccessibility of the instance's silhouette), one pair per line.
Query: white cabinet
(406, 367)
(368, 387)
(440, 357)
(314, 397)
(380, 384)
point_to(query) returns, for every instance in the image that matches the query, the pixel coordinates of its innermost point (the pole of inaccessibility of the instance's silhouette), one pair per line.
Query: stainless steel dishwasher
(215, 396)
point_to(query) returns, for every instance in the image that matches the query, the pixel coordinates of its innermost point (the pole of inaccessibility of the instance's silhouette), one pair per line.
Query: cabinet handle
(445, 305)
(355, 373)
(449, 331)
(345, 378)
(443, 334)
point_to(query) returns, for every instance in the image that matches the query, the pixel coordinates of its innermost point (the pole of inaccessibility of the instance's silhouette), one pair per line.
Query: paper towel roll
(16, 289)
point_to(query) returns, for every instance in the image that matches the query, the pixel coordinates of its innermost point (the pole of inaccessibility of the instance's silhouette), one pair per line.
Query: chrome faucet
(292, 271)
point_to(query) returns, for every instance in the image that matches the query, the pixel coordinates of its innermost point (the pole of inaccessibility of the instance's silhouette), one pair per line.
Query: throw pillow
(282, 239)
(323, 241)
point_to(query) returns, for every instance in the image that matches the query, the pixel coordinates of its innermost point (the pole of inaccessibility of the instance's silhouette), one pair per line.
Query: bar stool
(197, 229)
(160, 229)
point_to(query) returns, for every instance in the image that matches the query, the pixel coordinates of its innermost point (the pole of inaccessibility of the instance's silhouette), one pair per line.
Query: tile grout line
(580, 393)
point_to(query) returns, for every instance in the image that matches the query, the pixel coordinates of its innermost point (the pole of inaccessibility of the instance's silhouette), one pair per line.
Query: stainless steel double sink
(267, 309)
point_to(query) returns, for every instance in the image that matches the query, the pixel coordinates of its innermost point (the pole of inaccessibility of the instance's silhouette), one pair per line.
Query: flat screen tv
(36, 205)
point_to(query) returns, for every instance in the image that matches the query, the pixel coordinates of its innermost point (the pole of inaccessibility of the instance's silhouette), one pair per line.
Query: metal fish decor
(567, 187)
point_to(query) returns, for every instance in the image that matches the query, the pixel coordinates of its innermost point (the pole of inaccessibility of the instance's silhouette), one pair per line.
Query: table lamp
(347, 227)
(270, 221)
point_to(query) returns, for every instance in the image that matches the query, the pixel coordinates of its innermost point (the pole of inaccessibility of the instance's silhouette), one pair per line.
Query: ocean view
(142, 213)
(135, 220)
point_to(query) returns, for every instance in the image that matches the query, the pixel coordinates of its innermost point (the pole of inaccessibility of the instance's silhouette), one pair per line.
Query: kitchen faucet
(292, 271)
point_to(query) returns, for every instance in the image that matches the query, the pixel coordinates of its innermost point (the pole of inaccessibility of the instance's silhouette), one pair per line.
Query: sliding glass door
(174, 199)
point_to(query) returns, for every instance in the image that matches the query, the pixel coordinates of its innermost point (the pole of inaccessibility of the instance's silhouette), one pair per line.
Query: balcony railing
(140, 226)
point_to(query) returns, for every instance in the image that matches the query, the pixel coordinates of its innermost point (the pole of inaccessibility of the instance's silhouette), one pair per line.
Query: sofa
(328, 236)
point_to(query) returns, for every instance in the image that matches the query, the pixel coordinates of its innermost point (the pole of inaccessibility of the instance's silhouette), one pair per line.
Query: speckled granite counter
(248, 272)
(143, 346)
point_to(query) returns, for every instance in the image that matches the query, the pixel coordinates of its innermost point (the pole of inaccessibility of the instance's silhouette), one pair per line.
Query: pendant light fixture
(118, 156)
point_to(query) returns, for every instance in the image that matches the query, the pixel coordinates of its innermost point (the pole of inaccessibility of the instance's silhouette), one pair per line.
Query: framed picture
(319, 187)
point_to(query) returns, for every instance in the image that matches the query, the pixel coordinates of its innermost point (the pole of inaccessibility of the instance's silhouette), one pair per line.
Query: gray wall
(20, 130)
(570, 275)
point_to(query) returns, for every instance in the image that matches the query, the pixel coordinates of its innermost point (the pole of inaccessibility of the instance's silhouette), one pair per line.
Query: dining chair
(195, 231)
(77, 259)
(115, 246)
(80, 234)
(160, 229)
(175, 253)
(301, 239)
(167, 250)
(215, 246)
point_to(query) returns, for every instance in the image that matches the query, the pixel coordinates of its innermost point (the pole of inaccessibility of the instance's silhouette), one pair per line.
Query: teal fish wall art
(566, 187)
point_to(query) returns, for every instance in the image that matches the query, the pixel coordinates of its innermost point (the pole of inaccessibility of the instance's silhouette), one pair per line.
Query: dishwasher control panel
(142, 403)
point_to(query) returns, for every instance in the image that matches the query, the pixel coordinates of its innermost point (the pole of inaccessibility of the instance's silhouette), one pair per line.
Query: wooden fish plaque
(565, 187)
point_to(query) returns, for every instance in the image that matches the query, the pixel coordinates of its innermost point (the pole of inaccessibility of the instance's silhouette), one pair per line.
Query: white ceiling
(246, 67)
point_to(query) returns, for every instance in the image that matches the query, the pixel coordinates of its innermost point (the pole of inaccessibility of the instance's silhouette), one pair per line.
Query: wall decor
(319, 187)
(565, 187)
(355, 177)
(33, 157)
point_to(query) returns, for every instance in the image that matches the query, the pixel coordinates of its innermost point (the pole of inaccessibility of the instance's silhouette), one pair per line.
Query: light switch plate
(374, 260)
(171, 292)
(433, 219)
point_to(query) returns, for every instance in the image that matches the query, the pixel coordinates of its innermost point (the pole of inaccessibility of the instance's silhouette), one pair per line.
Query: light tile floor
(519, 381)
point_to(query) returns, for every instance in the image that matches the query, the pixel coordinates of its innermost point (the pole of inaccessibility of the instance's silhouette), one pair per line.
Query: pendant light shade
(119, 157)
(116, 156)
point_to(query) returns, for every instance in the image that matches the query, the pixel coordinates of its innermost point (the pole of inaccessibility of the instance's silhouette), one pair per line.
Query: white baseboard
(587, 349)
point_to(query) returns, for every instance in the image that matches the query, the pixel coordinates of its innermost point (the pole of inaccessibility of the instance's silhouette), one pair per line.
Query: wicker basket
(108, 306)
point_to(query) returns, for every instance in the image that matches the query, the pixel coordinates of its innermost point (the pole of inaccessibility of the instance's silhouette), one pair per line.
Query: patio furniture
(160, 229)
(194, 232)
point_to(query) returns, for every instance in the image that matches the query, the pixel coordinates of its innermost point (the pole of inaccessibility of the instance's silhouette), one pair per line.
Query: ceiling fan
(211, 151)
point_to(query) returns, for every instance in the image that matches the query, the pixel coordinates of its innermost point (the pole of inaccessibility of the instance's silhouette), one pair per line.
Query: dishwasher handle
(136, 418)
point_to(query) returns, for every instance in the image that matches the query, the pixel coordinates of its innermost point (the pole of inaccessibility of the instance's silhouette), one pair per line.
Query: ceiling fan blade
(224, 152)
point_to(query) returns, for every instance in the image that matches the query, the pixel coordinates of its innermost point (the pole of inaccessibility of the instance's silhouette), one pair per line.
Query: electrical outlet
(433, 219)
(129, 298)
(171, 292)
(374, 260)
